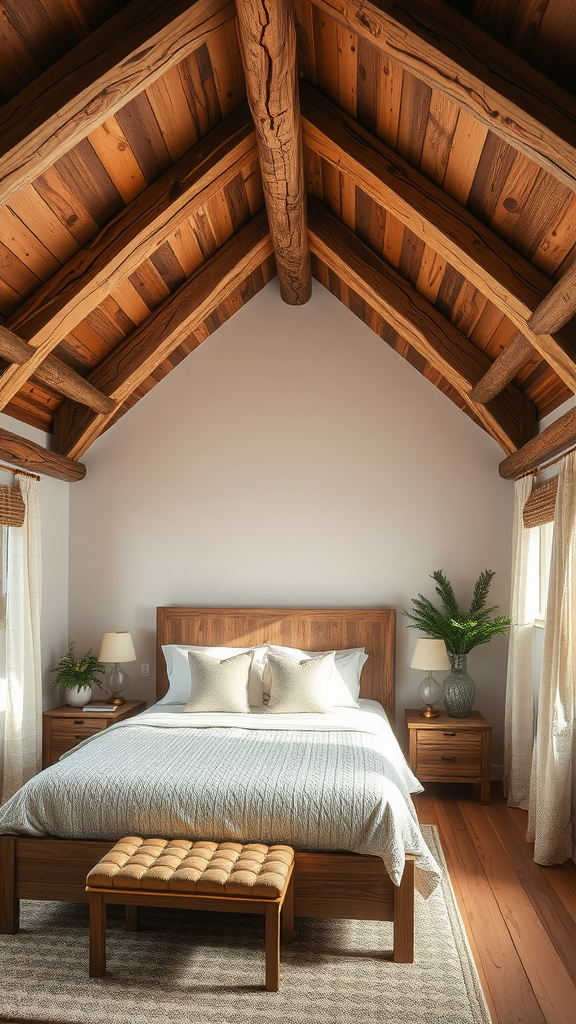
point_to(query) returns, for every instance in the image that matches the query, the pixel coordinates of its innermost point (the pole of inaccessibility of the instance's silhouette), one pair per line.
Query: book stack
(100, 708)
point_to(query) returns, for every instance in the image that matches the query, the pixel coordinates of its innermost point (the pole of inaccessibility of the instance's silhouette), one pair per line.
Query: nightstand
(446, 749)
(64, 727)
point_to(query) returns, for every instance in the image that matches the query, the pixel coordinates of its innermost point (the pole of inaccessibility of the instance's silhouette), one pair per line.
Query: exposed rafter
(451, 54)
(555, 439)
(267, 35)
(29, 455)
(137, 357)
(509, 281)
(59, 305)
(56, 374)
(510, 418)
(78, 93)
(554, 312)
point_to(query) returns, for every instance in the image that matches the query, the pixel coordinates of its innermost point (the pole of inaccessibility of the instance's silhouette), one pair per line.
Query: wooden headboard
(311, 629)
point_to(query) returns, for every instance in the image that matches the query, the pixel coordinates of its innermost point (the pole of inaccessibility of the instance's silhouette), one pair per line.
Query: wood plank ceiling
(141, 208)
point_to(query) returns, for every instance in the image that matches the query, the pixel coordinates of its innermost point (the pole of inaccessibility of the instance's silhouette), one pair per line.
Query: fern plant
(460, 630)
(74, 672)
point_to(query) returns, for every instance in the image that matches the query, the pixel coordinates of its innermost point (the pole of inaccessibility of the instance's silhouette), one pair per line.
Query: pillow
(178, 668)
(218, 684)
(300, 686)
(345, 676)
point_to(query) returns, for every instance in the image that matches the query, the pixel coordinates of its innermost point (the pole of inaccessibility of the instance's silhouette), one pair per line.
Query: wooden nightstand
(448, 749)
(64, 727)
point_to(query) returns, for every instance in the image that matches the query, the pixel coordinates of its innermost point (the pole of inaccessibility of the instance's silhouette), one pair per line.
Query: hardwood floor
(520, 918)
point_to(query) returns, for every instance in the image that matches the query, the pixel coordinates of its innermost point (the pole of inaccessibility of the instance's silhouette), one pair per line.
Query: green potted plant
(461, 632)
(77, 675)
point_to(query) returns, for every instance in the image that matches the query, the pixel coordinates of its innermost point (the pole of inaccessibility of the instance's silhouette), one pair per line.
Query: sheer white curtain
(550, 798)
(22, 733)
(524, 601)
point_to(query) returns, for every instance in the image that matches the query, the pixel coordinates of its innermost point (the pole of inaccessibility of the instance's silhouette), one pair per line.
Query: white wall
(293, 459)
(53, 497)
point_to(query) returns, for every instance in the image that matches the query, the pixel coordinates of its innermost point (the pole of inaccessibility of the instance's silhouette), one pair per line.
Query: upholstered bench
(241, 878)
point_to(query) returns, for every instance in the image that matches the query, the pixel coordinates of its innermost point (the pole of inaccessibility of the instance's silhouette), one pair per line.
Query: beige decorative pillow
(297, 687)
(218, 685)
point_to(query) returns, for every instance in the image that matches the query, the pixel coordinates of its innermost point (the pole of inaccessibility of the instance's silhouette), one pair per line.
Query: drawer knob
(442, 758)
(449, 733)
(78, 721)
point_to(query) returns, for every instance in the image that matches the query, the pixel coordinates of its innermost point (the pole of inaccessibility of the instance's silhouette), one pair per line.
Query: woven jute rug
(199, 968)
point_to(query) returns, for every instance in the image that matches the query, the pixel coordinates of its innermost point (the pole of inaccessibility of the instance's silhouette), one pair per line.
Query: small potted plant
(461, 631)
(77, 675)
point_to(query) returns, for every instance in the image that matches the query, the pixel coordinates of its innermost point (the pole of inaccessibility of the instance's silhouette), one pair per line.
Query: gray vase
(459, 689)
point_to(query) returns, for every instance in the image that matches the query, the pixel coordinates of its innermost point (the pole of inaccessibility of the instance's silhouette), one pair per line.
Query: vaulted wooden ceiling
(420, 158)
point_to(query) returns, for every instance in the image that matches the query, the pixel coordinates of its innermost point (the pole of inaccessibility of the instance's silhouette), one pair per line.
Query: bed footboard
(326, 884)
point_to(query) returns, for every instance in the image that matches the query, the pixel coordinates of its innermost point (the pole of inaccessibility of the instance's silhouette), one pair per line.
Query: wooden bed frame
(344, 885)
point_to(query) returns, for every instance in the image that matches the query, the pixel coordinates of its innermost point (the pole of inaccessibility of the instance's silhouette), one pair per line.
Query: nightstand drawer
(78, 728)
(450, 742)
(449, 756)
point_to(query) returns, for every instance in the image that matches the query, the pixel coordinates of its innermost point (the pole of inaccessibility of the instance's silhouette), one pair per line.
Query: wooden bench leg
(97, 935)
(273, 947)
(131, 917)
(404, 915)
(287, 914)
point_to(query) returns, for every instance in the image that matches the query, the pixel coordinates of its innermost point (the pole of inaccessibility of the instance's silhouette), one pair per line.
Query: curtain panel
(519, 708)
(22, 732)
(549, 825)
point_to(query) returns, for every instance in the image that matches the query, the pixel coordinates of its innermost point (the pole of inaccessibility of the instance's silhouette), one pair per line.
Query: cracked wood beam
(501, 274)
(552, 314)
(551, 442)
(128, 365)
(116, 251)
(450, 53)
(100, 75)
(28, 455)
(510, 418)
(267, 35)
(56, 374)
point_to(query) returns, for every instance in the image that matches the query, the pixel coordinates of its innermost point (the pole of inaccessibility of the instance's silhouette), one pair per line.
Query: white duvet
(336, 781)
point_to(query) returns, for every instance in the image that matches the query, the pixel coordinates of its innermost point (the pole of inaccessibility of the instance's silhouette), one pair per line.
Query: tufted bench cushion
(178, 865)
(248, 878)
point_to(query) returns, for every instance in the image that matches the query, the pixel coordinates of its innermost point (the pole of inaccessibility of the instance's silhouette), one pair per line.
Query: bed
(327, 883)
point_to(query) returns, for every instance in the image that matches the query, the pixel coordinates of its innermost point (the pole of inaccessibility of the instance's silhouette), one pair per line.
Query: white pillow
(218, 684)
(178, 669)
(344, 678)
(298, 687)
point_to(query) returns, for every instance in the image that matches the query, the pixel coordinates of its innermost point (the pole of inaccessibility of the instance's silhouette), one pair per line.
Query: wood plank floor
(520, 918)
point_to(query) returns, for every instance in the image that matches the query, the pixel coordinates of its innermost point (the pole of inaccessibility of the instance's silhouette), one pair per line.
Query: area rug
(200, 968)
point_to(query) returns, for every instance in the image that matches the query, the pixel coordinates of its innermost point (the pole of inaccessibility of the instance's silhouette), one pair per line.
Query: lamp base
(116, 700)
(429, 711)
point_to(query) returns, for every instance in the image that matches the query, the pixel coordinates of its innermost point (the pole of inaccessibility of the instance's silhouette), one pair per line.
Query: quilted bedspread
(317, 782)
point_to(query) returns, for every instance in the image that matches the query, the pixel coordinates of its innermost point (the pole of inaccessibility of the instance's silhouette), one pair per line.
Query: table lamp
(117, 647)
(431, 656)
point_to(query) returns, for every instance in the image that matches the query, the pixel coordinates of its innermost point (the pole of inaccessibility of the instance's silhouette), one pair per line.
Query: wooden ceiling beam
(128, 365)
(53, 372)
(116, 251)
(28, 455)
(100, 75)
(510, 418)
(501, 274)
(552, 314)
(267, 35)
(551, 442)
(451, 54)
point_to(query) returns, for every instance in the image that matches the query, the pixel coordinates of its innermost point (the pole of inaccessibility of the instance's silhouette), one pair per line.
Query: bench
(236, 878)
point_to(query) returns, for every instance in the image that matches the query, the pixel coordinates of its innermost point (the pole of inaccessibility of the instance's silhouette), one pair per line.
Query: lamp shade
(430, 655)
(117, 647)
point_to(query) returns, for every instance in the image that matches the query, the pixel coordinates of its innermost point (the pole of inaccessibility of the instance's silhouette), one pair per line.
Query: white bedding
(334, 781)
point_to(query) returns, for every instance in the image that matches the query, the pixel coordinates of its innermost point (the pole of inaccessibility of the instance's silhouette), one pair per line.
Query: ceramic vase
(78, 697)
(459, 689)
